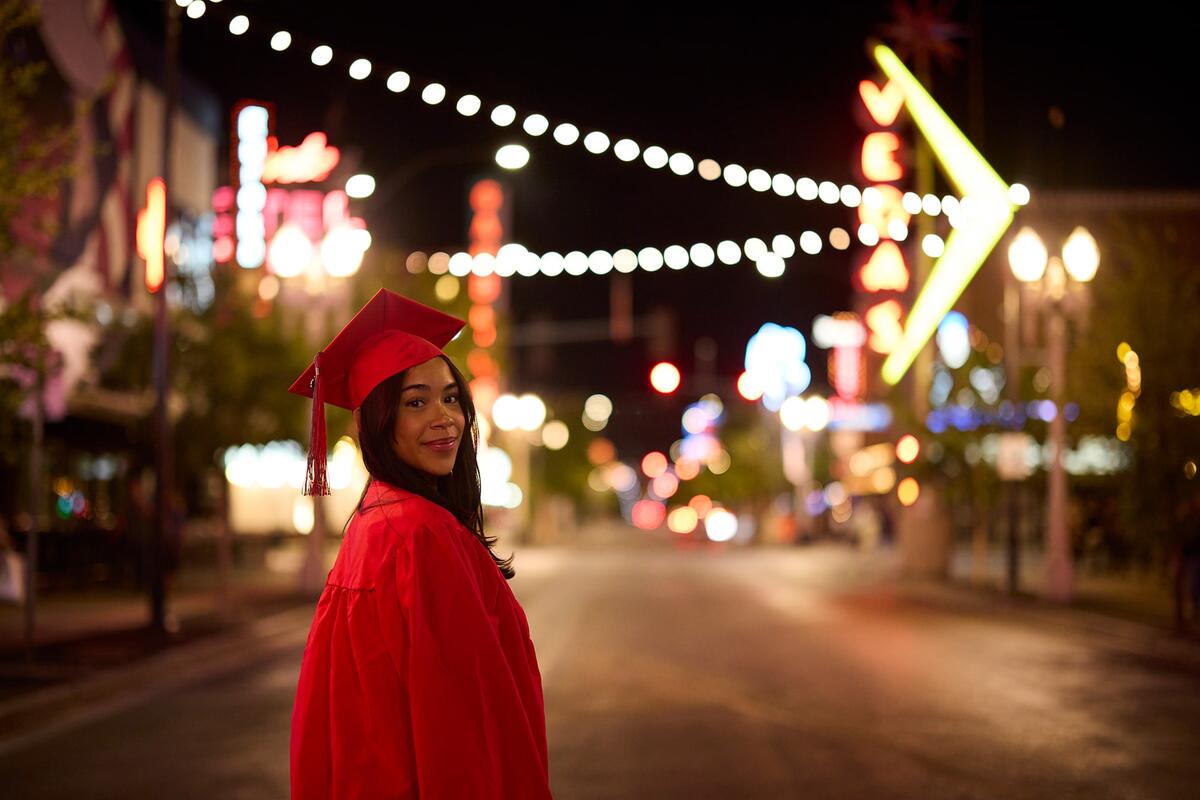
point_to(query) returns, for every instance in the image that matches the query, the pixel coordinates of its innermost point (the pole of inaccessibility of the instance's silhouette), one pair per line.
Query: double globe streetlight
(1058, 282)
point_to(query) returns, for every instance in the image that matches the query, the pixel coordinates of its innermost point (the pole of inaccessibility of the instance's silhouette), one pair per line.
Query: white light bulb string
(596, 142)
(769, 255)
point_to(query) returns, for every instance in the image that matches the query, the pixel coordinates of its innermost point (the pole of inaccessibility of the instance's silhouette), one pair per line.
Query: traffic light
(664, 377)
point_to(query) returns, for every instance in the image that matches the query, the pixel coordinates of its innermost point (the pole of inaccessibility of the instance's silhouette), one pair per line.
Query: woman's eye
(452, 398)
(414, 403)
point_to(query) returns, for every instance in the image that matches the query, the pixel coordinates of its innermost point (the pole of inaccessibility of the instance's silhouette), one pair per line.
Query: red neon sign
(311, 161)
(885, 270)
(879, 162)
(883, 320)
(892, 208)
(485, 234)
(882, 104)
(847, 370)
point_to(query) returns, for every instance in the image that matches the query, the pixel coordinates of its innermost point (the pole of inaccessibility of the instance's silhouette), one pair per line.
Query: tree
(1146, 297)
(33, 165)
(230, 368)
(33, 159)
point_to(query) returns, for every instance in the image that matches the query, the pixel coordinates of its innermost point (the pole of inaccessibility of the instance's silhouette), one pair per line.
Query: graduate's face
(430, 420)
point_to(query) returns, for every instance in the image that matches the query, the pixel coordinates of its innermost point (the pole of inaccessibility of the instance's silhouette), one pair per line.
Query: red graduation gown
(419, 678)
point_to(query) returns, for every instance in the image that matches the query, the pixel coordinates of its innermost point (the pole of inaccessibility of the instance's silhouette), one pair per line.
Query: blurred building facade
(103, 81)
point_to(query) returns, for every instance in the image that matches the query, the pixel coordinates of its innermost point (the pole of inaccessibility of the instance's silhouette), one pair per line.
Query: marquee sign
(293, 230)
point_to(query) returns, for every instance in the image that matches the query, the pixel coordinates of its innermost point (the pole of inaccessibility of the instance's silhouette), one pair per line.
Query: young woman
(419, 678)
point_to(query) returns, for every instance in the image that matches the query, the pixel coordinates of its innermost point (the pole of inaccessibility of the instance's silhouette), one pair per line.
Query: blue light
(775, 359)
(860, 417)
(943, 384)
(954, 339)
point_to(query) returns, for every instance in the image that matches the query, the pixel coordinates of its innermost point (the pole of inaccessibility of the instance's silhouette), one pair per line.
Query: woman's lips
(441, 445)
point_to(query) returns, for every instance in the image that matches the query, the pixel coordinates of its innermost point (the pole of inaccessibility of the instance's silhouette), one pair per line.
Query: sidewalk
(1133, 596)
(94, 654)
(82, 633)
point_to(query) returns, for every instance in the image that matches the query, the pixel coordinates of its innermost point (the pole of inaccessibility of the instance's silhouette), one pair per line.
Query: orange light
(486, 196)
(654, 464)
(702, 503)
(484, 391)
(908, 491)
(665, 377)
(313, 160)
(481, 317)
(648, 514)
(908, 448)
(486, 233)
(687, 468)
(885, 270)
(480, 362)
(151, 230)
(892, 208)
(882, 104)
(883, 321)
(485, 337)
(748, 387)
(879, 157)
(601, 451)
(483, 288)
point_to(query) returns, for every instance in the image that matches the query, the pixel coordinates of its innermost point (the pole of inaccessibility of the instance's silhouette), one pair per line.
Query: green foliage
(230, 368)
(755, 475)
(1146, 295)
(32, 165)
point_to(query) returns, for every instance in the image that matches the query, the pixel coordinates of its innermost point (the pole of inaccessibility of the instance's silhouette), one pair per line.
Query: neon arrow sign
(969, 244)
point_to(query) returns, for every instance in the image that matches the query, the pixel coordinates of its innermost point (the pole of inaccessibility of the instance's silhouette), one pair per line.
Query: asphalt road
(732, 674)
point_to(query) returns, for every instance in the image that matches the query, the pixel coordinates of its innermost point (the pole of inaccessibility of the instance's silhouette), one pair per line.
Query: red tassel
(316, 481)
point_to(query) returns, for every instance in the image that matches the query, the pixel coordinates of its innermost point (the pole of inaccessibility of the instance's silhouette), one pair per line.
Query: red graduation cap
(387, 336)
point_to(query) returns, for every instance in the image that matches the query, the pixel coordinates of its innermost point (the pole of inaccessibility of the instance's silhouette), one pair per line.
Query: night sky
(1066, 100)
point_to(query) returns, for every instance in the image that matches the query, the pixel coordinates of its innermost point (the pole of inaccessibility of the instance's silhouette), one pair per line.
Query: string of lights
(768, 255)
(595, 142)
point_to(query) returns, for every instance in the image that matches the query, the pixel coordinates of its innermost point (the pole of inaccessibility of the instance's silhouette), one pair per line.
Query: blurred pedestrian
(12, 569)
(419, 678)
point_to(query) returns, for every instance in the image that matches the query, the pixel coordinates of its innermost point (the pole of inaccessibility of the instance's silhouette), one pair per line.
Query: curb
(1144, 638)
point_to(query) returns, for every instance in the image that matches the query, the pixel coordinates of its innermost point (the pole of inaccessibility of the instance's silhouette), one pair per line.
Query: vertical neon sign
(882, 217)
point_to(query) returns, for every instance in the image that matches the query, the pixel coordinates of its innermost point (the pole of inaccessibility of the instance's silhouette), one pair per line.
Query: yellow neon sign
(970, 243)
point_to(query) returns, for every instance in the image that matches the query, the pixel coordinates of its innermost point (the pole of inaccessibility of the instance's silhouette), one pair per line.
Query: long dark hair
(459, 492)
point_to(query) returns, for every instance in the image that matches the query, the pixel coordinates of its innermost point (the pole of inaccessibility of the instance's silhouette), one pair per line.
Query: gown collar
(378, 491)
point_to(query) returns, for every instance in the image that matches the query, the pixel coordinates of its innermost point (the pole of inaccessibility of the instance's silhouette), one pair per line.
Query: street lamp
(1055, 280)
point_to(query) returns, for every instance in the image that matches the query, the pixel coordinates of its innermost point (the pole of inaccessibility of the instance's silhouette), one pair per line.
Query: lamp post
(1056, 281)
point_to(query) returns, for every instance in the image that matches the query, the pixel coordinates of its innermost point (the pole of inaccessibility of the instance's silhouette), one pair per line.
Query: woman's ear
(358, 418)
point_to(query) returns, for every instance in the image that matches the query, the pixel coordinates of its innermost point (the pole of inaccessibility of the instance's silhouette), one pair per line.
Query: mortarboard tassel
(315, 480)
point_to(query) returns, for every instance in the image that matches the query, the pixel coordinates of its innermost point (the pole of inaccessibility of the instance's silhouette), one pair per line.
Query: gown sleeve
(471, 733)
